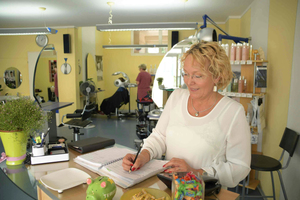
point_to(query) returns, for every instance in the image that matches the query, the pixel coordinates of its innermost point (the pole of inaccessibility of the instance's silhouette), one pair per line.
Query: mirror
(169, 71)
(44, 75)
(12, 77)
(65, 68)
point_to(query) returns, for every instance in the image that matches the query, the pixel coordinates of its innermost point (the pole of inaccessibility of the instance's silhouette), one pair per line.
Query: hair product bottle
(235, 85)
(241, 85)
(229, 87)
(238, 55)
(245, 86)
(248, 51)
(244, 52)
(232, 52)
(226, 47)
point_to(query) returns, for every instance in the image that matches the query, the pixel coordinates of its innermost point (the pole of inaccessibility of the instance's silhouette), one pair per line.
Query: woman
(143, 80)
(199, 129)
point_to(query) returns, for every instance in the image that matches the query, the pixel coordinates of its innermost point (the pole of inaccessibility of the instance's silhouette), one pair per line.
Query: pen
(136, 156)
(32, 139)
(44, 136)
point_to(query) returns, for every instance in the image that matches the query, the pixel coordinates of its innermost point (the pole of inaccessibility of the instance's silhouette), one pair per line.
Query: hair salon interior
(272, 25)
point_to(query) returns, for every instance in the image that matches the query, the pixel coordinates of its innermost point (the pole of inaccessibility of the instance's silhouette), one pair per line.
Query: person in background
(56, 83)
(200, 130)
(143, 81)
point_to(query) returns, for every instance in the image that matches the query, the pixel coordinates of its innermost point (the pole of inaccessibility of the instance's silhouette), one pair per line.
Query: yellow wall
(14, 53)
(245, 24)
(233, 27)
(282, 20)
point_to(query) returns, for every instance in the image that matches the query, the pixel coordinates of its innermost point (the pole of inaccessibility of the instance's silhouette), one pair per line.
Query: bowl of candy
(187, 186)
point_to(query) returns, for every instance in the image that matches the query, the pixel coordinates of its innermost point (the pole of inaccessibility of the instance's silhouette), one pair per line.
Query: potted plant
(160, 80)
(18, 119)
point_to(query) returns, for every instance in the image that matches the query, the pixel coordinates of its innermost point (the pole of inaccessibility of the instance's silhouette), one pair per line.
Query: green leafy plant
(160, 79)
(22, 114)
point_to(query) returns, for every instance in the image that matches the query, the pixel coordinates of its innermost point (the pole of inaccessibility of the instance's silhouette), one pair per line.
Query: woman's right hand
(141, 160)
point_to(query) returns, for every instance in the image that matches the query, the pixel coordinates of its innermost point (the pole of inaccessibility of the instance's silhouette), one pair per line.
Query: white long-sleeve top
(218, 143)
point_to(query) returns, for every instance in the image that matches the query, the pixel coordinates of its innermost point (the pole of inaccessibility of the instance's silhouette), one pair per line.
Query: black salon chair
(79, 119)
(268, 164)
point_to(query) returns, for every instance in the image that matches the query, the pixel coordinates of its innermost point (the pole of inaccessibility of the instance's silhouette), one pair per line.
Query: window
(150, 37)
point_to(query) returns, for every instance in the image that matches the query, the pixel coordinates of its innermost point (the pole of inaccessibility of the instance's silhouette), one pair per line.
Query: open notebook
(108, 162)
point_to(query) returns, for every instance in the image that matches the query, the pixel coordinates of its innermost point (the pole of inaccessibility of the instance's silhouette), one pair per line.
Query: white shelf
(236, 94)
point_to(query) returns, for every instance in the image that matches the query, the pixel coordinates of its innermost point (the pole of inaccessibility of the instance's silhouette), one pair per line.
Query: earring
(215, 88)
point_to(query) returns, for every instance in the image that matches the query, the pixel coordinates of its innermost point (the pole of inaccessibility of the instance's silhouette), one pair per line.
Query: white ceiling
(79, 13)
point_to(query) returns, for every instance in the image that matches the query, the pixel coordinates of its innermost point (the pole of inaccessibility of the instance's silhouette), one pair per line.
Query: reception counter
(29, 175)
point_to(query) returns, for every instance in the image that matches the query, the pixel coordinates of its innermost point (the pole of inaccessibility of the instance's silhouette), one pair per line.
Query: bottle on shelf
(229, 87)
(241, 84)
(227, 49)
(238, 52)
(245, 86)
(244, 52)
(232, 52)
(151, 70)
(235, 85)
(250, 53)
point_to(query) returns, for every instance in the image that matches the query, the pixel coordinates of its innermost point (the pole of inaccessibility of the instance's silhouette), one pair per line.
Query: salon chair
(113, 103)
(268, 164)
(79, 119)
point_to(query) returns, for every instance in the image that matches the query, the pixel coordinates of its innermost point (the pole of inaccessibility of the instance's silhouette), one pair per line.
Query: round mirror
(168, 75)
(12, 77)
(65, 68)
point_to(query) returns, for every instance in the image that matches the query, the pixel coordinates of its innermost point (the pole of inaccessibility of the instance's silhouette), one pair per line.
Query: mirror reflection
(45, 78)
(168, 74)
(12, 77)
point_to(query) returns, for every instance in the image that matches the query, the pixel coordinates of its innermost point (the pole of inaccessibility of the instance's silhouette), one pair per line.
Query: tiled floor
(122, 130)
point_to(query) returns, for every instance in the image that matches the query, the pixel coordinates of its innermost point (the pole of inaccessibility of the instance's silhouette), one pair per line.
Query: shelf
(247, 62)
(244, 95)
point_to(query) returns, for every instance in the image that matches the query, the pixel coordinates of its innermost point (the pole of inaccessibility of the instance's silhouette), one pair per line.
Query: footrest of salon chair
(78, 123)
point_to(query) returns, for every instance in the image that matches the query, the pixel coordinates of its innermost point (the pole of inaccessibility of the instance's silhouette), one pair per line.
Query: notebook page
(104, 156)
(152, 167)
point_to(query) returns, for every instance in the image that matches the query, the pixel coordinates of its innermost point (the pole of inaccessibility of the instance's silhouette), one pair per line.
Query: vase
(15, 144)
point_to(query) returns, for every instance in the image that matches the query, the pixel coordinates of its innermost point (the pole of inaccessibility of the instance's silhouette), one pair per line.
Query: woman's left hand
(177, 165)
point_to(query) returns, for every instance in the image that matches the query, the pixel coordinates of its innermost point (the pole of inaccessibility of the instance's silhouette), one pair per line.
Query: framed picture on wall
(99, 68)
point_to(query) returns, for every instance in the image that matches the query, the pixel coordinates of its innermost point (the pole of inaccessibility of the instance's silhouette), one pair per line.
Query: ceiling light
(27, 31)
(148, 26)
(134, 46)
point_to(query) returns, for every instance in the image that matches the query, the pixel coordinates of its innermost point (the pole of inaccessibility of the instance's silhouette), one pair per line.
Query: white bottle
(151, 70)
(248, 118)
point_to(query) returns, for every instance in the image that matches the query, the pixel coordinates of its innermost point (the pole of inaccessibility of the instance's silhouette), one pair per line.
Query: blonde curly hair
(219, 64)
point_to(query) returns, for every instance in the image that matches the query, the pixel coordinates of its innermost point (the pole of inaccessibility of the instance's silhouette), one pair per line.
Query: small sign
(249, 95)
(249, 62)
(243, 62)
